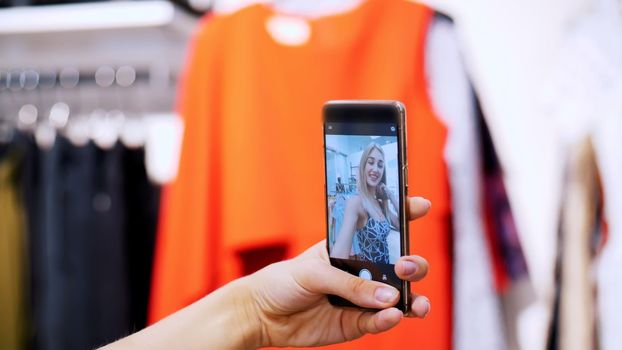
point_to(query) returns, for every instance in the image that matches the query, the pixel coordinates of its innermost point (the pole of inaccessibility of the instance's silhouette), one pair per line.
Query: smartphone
(366, 174)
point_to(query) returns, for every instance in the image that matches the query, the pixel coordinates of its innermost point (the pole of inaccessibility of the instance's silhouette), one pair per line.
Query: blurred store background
(151, 151)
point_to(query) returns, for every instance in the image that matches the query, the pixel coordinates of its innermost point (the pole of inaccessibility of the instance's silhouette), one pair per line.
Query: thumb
(326, 279)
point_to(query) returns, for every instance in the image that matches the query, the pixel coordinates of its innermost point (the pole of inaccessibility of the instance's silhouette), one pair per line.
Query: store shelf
(88, 16)
(87, 35)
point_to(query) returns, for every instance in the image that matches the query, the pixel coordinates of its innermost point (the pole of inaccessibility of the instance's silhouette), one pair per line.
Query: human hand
(287, 301)
(285, 304)
(382, 191)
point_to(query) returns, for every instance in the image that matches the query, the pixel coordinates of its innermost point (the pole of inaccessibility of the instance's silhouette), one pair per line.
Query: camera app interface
(362, 183)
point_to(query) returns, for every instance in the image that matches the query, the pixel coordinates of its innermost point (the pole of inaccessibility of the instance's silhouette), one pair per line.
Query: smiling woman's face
(374, 168)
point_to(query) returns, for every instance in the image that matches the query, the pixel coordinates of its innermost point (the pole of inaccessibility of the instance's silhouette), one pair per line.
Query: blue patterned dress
(373, 241)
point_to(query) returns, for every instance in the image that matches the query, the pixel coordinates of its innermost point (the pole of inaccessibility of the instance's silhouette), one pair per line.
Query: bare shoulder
(354, 203)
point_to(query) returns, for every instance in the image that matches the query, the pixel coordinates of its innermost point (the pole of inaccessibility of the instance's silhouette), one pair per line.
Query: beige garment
(579, 208)
(514, 300)
(12, 258)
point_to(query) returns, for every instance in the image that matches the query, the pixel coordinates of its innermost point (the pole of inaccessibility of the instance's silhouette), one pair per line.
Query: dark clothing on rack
(510, 263)
(79, 267)
(92, 216)
(142, 200)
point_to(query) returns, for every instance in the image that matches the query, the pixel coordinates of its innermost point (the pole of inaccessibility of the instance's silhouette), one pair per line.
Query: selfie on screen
(362, 182)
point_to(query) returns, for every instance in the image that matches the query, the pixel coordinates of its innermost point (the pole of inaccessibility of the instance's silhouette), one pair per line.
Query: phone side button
(405, 173)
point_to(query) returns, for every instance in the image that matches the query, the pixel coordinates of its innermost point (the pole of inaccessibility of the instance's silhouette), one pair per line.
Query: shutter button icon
(365, 274)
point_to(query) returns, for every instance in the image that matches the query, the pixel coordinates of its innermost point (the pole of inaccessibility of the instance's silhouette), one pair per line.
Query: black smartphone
(366, 187)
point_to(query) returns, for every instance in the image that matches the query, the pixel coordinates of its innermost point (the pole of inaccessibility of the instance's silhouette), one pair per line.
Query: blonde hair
(367, 197)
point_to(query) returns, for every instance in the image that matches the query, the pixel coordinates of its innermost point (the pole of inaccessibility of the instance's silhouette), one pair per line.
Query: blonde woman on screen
(367, 215)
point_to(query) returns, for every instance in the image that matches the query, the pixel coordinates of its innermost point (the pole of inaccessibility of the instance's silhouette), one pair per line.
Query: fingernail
(409, 267)
(385, 295)
(427, 309)
(428, 203)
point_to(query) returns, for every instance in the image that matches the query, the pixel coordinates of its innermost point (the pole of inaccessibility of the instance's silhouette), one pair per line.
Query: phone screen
(364, 198)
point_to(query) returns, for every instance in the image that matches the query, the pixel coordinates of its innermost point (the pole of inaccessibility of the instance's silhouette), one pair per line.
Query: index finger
(418, 207)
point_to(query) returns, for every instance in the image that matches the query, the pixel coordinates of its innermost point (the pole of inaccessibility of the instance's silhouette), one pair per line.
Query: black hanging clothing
(92, 216)
(142, 201)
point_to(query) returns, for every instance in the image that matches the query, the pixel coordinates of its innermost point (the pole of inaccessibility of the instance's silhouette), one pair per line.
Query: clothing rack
(47, 102)
(31, 79)
(89, 69)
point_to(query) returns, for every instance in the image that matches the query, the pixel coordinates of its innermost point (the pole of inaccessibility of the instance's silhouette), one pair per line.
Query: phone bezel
(373, 111)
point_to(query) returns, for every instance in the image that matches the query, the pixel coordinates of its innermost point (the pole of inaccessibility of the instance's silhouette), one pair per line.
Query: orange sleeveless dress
(251, 169)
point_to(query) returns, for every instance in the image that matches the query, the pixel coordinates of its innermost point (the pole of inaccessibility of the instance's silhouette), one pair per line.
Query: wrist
(231, 319)
(247, 314)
